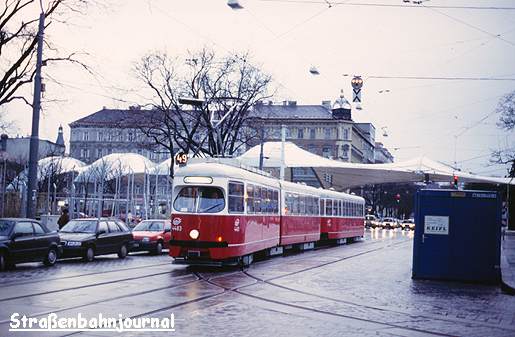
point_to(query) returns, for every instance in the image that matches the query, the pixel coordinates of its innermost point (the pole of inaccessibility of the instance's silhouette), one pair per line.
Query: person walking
(64, 218)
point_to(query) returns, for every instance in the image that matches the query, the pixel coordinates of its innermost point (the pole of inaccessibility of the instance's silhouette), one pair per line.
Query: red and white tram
(224, 214)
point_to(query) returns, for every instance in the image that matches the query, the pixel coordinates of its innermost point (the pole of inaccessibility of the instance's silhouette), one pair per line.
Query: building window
(326, 152)
(300, 133)
(346, 134)
(130, 137)
(345, 151)
(312, 133)
(288, 133)
(84, 153)
(327, 133)
(100, 136)
(85, 136)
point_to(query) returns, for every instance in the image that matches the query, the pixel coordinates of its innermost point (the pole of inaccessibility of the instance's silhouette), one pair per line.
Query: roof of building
(111, 116)
(290, 110)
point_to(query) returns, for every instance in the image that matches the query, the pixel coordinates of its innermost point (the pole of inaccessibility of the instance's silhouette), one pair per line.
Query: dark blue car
(26, 240)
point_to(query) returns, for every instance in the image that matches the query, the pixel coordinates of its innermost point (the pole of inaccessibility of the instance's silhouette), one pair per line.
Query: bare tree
(18, 42)
(231, 82)
(506, 110)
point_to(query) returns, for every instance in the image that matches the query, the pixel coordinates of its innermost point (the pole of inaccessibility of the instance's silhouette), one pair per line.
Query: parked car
(389, 223)
(408, 224)
(152, 235)
(27, 240)
(90, 237)
(371, 221)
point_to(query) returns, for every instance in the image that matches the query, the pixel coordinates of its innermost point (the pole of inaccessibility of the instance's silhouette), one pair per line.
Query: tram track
(17, 282)
(239, 289)
(268, 281)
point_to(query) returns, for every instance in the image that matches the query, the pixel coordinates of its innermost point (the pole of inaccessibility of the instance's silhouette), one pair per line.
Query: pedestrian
(64, 218)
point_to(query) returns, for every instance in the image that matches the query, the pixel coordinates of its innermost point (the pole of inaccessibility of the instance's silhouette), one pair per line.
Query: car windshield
(80, 226)
(149, 226)
(199, 199)
(5, 227)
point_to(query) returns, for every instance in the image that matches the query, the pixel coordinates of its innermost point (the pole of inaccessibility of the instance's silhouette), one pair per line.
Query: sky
(446, 120)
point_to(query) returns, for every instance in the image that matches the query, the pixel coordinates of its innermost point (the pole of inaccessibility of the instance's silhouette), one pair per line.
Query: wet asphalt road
(360, 289)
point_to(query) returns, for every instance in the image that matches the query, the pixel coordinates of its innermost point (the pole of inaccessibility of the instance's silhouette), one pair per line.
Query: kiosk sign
(436, 225)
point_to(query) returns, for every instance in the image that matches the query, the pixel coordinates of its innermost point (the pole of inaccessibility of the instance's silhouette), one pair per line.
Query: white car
(389, 223)
(408, 224)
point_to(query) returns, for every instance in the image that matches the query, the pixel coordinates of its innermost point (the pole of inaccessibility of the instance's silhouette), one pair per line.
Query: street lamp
(234, 4)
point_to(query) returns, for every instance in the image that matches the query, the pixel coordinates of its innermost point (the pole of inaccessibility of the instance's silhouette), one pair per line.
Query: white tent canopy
(50, 166)
(350, 174)
(162, 168)
(115, 165)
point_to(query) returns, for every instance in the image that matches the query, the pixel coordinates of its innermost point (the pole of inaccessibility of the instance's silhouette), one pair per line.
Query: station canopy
(163, 168)
(49, 166)
(346, 175)
(116, 165)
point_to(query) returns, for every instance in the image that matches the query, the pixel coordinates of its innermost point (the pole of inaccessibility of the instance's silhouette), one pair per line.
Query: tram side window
(328, 207)
(335, 207)
(275, 202)
(322, 207)
(340, 207)
(316, 203)
(289, 203)
(295, 209)
(310, 205)
(235, 197)
(250, 198)
(347, 208)
(265, 200)
(257, 199)
(302, 204)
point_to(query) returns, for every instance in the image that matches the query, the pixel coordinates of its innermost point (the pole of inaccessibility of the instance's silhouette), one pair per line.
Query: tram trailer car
(223, 214)
(341, 216)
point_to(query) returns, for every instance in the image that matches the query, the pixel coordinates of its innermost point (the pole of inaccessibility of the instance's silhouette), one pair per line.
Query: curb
(505, 269)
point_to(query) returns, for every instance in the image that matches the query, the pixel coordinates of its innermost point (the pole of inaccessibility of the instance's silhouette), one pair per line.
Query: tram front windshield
(199, 199)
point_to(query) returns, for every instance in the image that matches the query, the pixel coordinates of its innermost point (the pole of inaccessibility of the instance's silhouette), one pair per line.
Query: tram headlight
(194, 234)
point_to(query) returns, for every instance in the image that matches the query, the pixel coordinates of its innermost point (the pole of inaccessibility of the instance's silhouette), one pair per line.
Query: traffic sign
(356, 97)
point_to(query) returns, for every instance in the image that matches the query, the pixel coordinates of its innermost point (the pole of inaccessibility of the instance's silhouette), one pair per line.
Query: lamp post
(34, 138)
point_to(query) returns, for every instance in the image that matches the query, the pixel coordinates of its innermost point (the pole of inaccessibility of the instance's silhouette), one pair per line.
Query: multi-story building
(17, 149)
(112, 131)
(323, 129)
(381, 154)
(327, 130)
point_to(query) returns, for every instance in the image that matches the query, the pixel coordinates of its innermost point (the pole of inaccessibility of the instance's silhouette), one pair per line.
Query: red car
(151, 235)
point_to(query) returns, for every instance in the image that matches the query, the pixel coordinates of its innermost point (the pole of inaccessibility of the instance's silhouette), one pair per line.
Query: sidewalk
(508, 262)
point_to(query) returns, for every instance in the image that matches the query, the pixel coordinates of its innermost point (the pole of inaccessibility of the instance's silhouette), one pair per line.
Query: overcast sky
(421, 117)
